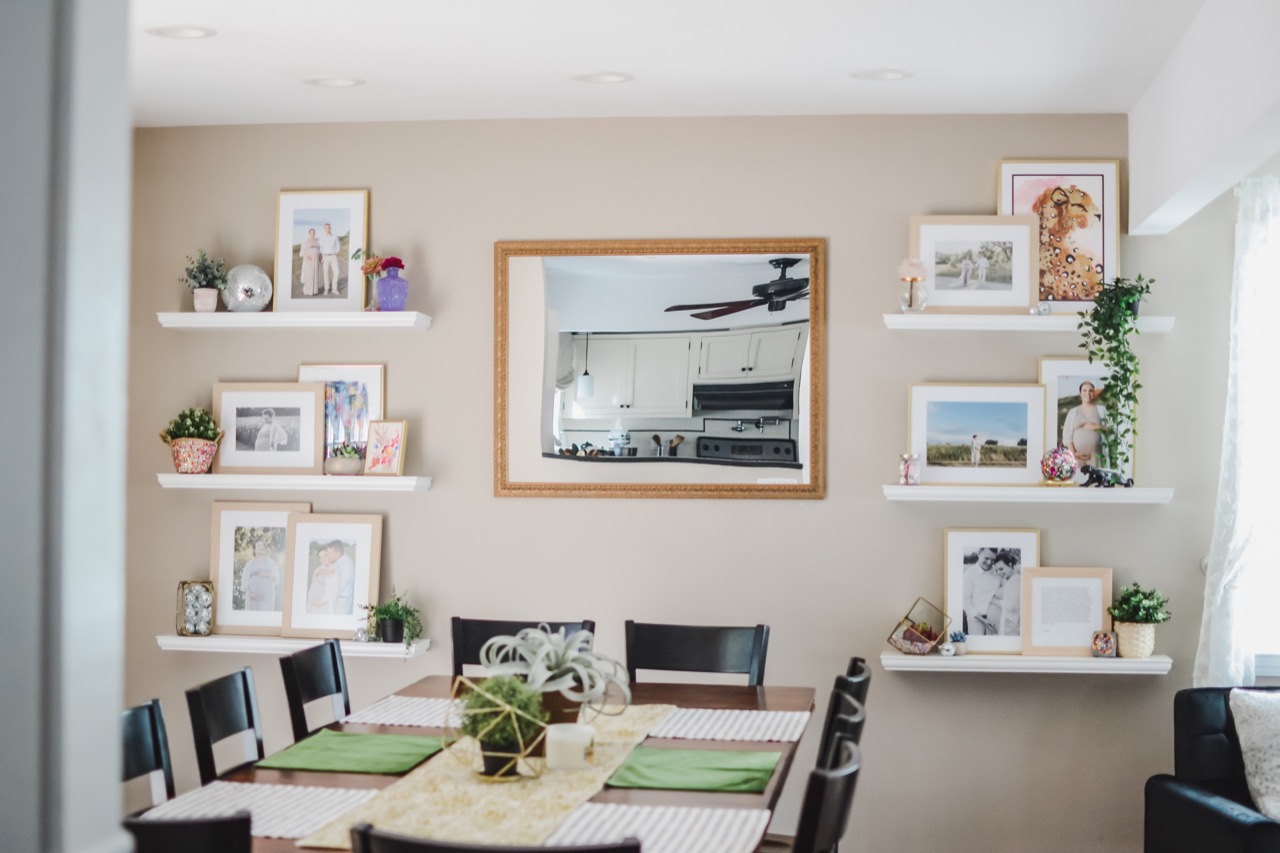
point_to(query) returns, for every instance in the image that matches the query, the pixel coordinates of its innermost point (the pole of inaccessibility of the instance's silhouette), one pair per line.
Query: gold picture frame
(269, 427)
(307, 276)
(977, 264)
(1063, 609)
(248, 544)
(333, 564)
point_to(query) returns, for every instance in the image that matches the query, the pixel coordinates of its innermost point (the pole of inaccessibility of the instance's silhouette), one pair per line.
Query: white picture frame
(982, 584)
(977, 434)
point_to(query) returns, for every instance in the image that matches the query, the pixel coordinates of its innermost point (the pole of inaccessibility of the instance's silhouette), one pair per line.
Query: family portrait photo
(249, 545)
(977, 262)
(332, 572)
(978, 434)
(317, 232)
(984, 574)
(972, 265)
(270, 427)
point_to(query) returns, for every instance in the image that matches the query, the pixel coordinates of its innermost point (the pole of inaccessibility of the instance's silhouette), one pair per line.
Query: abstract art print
(354, 396)
(386, 448)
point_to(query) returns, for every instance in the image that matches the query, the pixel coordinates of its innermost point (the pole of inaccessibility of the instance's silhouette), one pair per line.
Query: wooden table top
(681, 695)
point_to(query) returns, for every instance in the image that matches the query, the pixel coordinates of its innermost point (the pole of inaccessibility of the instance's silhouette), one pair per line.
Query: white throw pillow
(1257, 717)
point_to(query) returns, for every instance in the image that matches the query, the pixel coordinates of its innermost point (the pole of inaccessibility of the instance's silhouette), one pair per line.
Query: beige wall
(976, 762)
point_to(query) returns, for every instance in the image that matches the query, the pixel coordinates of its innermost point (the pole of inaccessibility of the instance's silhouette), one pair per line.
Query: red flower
(388, 263)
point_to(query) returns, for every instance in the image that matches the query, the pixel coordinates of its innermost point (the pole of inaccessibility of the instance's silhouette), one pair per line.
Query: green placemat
(746, 771)
(355, 752)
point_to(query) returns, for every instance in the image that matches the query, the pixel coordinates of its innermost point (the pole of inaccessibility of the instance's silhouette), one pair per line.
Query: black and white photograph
(976, 262)
(332, 569)
(271, 427)
(317, 233)
(984, 571)
(248, 545)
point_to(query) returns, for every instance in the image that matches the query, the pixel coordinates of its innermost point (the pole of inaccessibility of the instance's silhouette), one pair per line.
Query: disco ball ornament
(248, 288)
(1059, 465)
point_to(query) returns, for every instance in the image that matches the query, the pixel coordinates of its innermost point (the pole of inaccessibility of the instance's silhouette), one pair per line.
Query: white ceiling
(491, 59)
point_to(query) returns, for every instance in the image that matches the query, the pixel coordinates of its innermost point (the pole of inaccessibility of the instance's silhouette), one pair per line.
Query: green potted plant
(206, 278)
(1107, 328)
(1136, 613)
(565, 669)
(395, 620)
(505, 715)
(345, 459)
(960, 641)
(193, 438)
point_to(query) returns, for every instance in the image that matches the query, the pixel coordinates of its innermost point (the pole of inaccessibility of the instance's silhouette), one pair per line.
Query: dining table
(682, 696)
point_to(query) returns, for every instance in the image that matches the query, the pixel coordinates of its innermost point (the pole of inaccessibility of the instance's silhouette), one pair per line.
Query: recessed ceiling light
(881, 75)
(334, 82)
(604, 77)
(181, 31)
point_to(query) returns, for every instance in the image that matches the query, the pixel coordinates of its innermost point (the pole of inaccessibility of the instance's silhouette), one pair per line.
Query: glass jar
(909, 469)
(914, 295)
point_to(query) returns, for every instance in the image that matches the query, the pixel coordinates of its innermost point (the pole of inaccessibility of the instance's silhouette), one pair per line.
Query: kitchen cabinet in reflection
(640, 376)
(751, 356)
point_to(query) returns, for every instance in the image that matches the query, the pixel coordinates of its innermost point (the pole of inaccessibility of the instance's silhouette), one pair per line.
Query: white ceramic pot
(344, 465)
(1135, 639)
(205, 299)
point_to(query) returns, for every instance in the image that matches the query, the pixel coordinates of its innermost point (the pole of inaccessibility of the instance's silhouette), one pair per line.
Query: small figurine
(947, 650)
(1104, 644)
(1104, 478)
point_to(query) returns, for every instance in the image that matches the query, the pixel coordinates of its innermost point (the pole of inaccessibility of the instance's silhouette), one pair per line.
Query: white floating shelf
(295, 320)
(1030, 494)
(243, 644)
(1007, 322)
(894, 661)
(294, 482)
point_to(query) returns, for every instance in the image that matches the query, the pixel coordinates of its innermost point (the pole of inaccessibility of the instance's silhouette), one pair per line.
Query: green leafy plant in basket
(1107, 328)
(191, 423)
(396, 608)
(1140, 606)
(204, 272)
(554, 662)
(193, 438)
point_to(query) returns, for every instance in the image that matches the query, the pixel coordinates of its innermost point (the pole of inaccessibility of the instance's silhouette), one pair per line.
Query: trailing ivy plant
(1106, 329)
(1136, 604)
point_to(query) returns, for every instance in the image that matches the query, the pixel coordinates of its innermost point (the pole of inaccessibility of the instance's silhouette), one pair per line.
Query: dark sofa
(1205, 807)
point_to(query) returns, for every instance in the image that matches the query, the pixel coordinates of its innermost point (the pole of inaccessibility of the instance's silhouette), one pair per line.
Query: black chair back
(697, 648)
(845, 719)
(312, 674)
(469, 635)
(219, 709)
(366, 839)
(828, 798)
(856, 680)
(197, 835)
(146, 749)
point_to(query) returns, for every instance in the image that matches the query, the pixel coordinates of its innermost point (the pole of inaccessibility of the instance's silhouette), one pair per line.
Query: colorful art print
(386, 448)
(332, 570)
(977, 434)
(1074, 417)
(354, 396)
(1064, 609)
(978, 262)
(269, 427)
(317, 232)
(1076, 204)
(982, 583)
(248, 545)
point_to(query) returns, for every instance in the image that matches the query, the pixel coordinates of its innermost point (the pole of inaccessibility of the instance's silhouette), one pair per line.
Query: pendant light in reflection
(586, 382)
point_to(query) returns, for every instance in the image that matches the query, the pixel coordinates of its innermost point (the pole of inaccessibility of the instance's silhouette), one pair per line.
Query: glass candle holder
(914, 295)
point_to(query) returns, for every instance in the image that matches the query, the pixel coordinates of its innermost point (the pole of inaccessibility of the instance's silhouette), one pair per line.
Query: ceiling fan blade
(732, 308)
(705, 305)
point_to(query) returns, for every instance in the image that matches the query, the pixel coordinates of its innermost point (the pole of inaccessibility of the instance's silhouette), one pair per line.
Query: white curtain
(566, 373)
(1244, 559)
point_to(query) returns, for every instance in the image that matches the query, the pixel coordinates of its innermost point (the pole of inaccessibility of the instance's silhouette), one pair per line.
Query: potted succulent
(1136, 613)
(395, 620)
(206, 278)
(344, 460)
(565, 669)
(959, 641)
(505, 715)
(193, 438)
(1107, 328)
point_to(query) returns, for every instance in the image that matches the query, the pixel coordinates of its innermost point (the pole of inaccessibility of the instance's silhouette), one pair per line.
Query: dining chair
(828, 798)
(697, 648)
(228, 834)
(314, 673)
(856, 680)
(366, 839)
(219, 709)
(146, 749)
(469, 635)
(845, 719)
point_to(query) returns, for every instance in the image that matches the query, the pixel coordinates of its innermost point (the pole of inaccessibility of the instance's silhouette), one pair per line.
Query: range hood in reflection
(776, 399)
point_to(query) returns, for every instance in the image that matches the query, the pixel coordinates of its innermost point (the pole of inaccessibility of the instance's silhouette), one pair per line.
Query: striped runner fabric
(278, 811)
(407, 711)
(664, 829)
(718, 724)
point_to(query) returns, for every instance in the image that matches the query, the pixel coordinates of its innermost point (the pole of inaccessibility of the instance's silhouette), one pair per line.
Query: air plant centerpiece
(566, 669)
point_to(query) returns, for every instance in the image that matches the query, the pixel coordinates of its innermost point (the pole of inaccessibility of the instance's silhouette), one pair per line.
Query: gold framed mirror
(660, 368)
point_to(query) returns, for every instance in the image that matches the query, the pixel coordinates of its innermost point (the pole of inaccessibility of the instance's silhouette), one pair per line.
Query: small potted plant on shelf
(206, 278)
(1136, 613)
(395, 620)
(960, 641)
(506, 717)
(344, 460)
(565, 669)
(1107, 328)
(193, 438)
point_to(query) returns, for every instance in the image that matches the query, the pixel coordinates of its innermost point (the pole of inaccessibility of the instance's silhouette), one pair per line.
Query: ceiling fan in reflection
(776, 294)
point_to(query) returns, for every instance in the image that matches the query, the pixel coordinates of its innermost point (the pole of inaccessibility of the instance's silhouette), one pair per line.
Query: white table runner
(407, 711)
(664, 829)
(720, 724)
(278, 811)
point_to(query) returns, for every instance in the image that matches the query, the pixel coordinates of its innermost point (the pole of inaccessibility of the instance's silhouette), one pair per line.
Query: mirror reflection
(660, 368)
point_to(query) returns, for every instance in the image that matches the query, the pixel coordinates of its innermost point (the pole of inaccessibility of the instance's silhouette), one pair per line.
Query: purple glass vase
(392, 291)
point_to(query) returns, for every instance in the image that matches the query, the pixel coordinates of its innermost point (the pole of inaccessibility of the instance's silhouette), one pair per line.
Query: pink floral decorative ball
(1059, 465)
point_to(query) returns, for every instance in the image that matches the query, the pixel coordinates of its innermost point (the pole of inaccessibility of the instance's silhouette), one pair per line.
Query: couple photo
(993, 592)
(321, 252)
